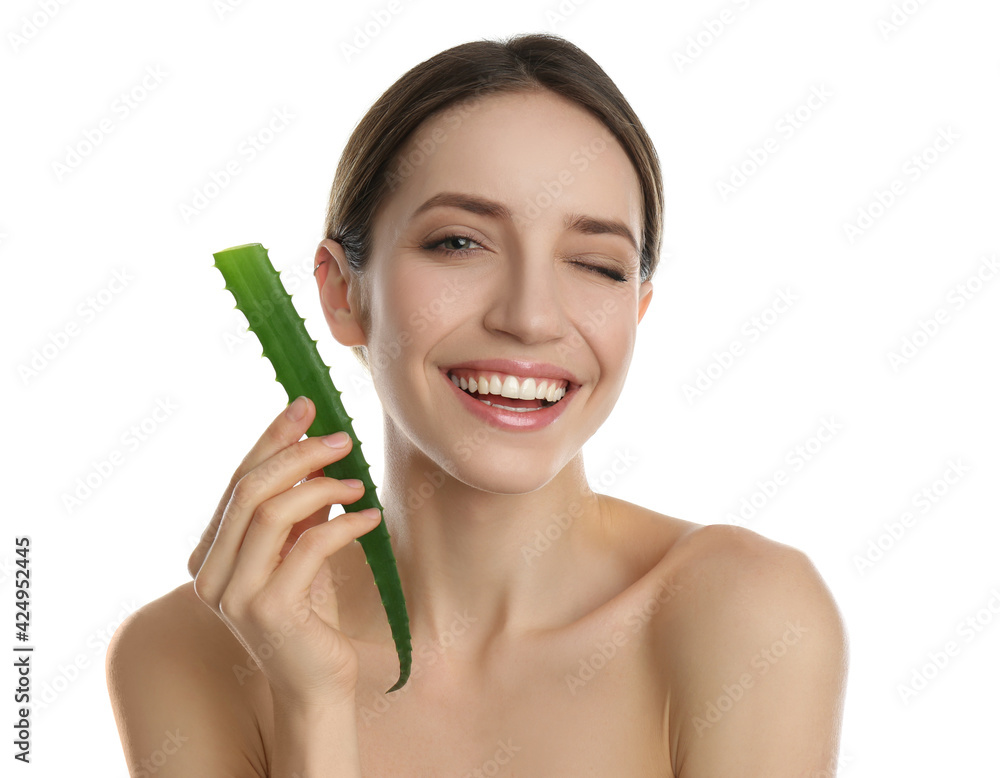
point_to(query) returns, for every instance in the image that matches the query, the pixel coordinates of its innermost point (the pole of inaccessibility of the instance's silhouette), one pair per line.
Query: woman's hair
(370, 167)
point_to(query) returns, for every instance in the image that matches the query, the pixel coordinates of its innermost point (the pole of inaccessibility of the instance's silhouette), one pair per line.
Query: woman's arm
(314, 742)
(758, 662)
(178, 704)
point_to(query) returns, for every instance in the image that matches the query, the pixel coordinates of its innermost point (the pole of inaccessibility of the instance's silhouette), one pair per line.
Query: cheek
(607, 323)
(396, 307)
(424, 302)
(612, 340)
(410, 313)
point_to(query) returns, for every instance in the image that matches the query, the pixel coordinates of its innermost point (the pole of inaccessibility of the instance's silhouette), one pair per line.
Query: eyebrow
(588, 225)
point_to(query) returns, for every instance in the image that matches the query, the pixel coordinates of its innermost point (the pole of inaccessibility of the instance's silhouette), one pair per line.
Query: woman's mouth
(509, 392)
(510, 402)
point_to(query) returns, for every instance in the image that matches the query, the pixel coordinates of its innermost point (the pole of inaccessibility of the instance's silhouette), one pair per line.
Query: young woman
(492, 231)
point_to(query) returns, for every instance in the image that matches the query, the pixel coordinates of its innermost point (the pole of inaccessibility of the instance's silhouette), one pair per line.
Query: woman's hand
(282, 433)
(258, 578)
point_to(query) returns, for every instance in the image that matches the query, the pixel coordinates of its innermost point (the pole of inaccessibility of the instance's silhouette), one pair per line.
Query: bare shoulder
(712, 547)
(740, 584)
(741, 571)
(723, 565)
(754, 651)
(182, 691)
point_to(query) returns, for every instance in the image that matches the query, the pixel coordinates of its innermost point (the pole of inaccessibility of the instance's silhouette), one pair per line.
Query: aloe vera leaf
(260, 295)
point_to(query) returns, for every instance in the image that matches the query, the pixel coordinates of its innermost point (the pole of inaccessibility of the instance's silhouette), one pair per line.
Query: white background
(170, 335)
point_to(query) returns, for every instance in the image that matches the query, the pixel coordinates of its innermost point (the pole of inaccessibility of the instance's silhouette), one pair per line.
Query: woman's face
(521, 282)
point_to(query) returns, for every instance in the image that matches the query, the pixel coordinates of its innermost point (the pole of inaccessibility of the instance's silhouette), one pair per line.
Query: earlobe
(645, 295)
(335, 280)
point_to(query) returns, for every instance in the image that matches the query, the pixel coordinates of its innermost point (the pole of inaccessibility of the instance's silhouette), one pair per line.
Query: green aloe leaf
(272, 317)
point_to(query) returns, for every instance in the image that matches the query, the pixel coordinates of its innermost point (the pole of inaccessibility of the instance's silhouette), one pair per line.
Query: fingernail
(372, 513)
(297, 409)
(353, 482)
(337, 439)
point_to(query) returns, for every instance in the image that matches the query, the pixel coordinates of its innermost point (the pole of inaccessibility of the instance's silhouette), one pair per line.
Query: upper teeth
(549, 389)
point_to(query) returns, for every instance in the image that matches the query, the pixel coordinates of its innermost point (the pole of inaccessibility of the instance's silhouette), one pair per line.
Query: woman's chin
(499, 478)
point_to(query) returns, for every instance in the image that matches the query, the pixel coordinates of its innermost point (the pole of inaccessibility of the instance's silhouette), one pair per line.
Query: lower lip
(510, 420)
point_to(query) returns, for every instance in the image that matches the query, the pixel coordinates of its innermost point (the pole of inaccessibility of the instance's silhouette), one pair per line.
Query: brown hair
(368, 170)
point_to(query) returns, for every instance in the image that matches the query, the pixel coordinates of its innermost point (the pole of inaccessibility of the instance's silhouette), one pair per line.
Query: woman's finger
(287, 428)
(271, 477)
(302, 564)
(260, 552)
(319, 517)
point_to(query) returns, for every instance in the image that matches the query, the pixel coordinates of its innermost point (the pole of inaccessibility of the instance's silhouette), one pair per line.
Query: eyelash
(614, 275)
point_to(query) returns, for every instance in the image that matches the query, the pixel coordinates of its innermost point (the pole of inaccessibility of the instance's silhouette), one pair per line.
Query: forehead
(540, 154)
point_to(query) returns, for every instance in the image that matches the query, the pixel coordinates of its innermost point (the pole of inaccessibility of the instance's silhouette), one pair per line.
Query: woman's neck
(500, 565)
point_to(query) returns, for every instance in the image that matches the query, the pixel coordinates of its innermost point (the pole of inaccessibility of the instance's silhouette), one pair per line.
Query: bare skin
(633, 643)
(533, 695)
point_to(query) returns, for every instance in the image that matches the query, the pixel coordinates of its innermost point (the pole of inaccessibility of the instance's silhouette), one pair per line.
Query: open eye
(452, 237)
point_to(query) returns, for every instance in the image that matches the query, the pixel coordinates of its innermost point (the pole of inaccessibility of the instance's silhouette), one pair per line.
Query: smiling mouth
(500, 401)
(524, 409)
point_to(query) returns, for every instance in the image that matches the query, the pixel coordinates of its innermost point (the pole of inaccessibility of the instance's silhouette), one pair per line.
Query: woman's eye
(461, 239)
(608, 272)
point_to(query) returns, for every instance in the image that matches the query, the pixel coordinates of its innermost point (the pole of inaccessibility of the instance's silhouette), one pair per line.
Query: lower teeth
(545, 404)
(508, 408)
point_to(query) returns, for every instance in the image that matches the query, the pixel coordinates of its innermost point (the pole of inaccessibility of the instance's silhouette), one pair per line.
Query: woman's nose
(526, 302)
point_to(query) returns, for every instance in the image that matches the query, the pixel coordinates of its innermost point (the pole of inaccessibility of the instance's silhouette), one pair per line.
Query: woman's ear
(645, 295)
(338, 294)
